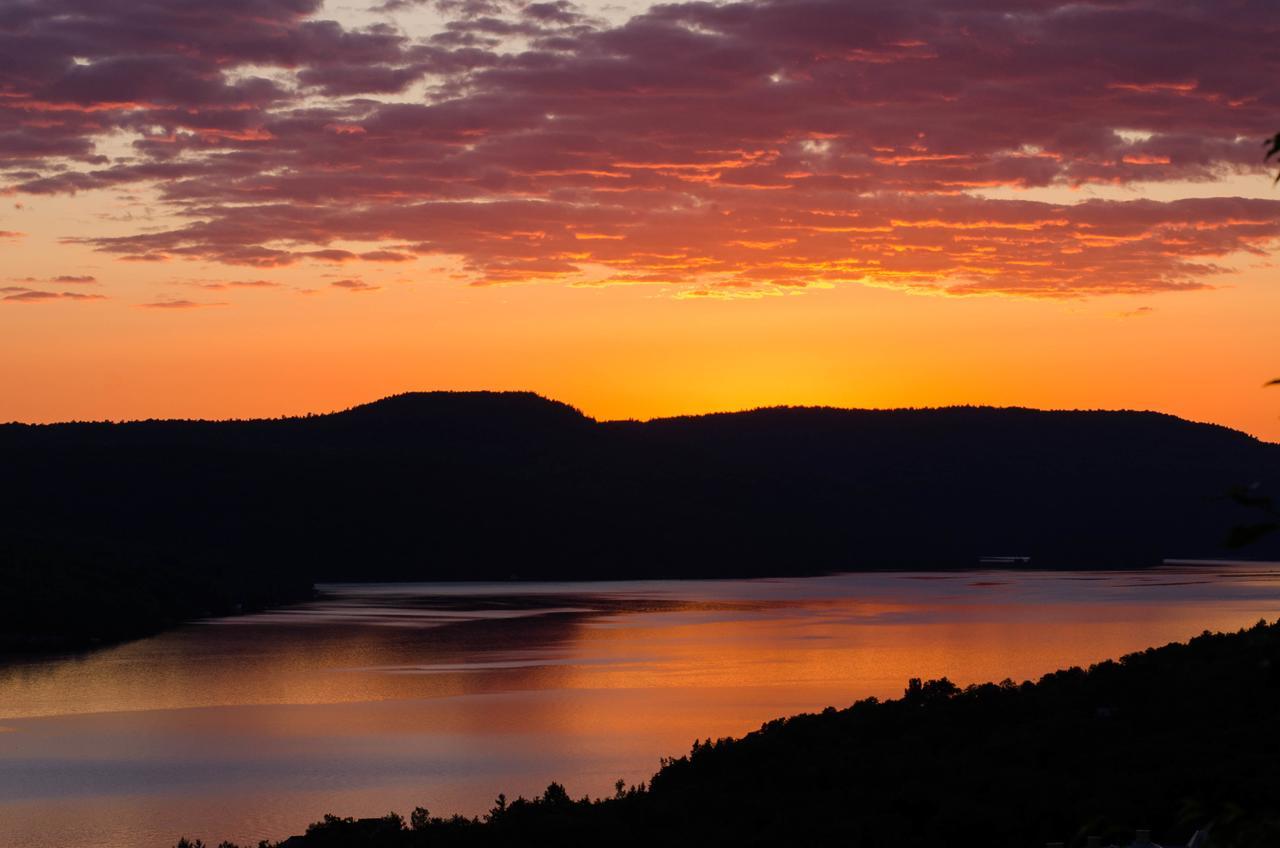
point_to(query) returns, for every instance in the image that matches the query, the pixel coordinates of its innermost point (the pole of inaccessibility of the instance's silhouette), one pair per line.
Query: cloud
(238, 284)
(751, 146)
(328, 255)
(65, 279)
(1139, 312)
(178, 304)
(141, 257)
(386, 256)
(21, 295)
(354, 285)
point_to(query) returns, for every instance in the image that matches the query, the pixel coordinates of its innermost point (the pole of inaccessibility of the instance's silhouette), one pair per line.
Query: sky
(266, 207)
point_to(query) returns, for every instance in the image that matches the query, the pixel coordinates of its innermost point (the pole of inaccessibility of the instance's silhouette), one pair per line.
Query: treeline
(76, 592)
(193, 515)
(1174, 739)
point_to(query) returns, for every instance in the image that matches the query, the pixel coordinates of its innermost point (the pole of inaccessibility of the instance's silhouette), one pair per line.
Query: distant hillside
(501, 485)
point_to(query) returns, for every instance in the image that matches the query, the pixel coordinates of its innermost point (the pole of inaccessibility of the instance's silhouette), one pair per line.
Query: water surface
(387, 696)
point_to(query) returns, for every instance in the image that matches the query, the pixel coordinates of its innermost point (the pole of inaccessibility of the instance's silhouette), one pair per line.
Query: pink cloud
(743, 146)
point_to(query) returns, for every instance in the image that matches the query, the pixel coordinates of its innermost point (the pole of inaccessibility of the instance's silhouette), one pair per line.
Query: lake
(383, 697)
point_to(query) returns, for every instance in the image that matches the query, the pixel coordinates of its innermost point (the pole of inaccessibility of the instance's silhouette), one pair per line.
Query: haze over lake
(387, 696)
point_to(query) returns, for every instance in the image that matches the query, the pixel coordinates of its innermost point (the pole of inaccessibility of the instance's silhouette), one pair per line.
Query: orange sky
(627, 352)
(772, 221)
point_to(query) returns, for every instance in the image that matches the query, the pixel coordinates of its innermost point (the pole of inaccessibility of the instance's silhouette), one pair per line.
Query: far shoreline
(51, 649)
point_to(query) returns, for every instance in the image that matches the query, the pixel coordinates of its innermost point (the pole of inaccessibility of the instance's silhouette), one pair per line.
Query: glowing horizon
(285, 207)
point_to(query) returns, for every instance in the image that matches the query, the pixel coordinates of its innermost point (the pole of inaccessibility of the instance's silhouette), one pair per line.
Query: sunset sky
(264, 207)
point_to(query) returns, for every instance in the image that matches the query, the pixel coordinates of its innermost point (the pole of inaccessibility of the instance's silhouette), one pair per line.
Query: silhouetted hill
(498, 485)
(1172, 739)
(497, 413)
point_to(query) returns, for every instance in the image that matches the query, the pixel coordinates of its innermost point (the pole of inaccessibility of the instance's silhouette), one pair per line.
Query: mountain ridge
(528, 399)
(457, 486)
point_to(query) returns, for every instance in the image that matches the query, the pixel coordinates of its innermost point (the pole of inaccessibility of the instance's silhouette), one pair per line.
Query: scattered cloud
(387, 256)
(62, 279)
(354, 285)
(18, 294)
(238, 284)
(749, 146)
(178, 304)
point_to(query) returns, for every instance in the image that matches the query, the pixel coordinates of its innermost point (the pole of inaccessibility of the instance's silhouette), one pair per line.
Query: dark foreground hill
(109, 529)
(1175, 740)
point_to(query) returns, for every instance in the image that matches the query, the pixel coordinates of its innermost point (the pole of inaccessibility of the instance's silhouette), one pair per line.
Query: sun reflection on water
(393, 695)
